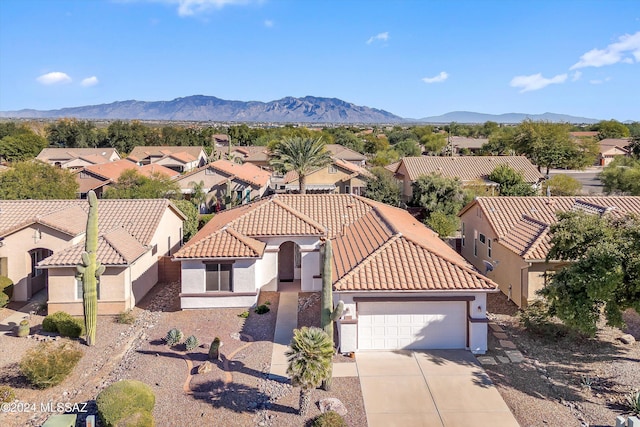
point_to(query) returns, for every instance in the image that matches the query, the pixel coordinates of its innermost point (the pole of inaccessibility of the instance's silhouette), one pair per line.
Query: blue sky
(413, 58)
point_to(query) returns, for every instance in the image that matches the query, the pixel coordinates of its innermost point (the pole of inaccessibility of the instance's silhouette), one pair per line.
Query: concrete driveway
(428, 389)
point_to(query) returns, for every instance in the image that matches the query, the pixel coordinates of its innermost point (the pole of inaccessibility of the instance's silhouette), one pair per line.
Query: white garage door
(411, 325)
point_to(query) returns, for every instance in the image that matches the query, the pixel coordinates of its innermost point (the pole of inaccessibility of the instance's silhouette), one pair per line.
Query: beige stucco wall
(323, 177)
(168, 235)
(16, 247)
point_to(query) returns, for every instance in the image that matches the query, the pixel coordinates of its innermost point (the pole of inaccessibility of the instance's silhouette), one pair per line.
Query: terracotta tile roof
(151, 169)
(246, 172)
(341, 152)
(393, 167)
(17, 214)
(161, 151)
(609, 143)
(55, 154)
(292, 176)
(224, 243)
(116, 247)
(112, 170)
(464, 142)
(251, 153)
(182, 156)
(468, 168)
(376, 247)
(522, 223)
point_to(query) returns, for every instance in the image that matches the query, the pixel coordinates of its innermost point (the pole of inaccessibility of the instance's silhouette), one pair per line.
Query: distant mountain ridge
(309, 109)
(471, 117)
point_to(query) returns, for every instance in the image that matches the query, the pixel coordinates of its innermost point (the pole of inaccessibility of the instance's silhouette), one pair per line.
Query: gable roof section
(522, 223)
(53, 154)
(142, 152)
(341, 152)
(17, 214)
(468, 168)
(225, 243)
(115, 248)
(246, 172)
(356, 170)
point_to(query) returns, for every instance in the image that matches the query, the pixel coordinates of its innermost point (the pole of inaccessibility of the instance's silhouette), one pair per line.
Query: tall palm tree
(198, 195)
(309, 358)
(301, 155)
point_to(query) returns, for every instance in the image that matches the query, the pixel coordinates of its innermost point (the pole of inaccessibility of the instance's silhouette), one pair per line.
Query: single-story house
(507, 238)
(339, 176)
(256, 155)
(403, 287)
(610, 148)
(41, 242)
(246, 181)
(77, 158)
(99, 177)
(346, 154)
(471, 170)
(179, 158)
(472, 144)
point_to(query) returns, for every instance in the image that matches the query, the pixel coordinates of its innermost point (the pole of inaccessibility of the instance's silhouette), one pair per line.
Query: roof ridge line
(299, 215)
(246, 240)
(373, 206)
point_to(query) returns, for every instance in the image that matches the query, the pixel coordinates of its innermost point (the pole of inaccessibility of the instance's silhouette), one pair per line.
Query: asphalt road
(588, 178)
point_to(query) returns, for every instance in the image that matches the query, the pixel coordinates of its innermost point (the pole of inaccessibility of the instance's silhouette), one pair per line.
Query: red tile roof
(376, 246)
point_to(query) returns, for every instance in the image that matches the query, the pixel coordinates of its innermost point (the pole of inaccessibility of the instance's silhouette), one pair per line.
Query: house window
(37, 255)
(489, 248)
(79, 292)
(475, 247)
(347, 189)
(154, 249)
(239, 195)
(463, 234)
(209, 171)
(333, 169)
(483, 239)
(219, 277)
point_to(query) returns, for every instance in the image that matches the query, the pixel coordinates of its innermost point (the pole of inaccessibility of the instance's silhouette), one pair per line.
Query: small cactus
(191, 342)
(174, 336)
(23, 328)
(214, 350)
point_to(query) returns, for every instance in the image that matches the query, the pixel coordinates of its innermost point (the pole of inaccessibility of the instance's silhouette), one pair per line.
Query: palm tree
(309, 358)
(301, 155)
(198, 196)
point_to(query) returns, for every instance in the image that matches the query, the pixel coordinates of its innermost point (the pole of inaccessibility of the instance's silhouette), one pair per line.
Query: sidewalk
(286, 322)
(10, 322)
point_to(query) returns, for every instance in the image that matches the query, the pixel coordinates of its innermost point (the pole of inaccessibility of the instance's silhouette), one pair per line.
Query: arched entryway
(289, 264)
(38, 278)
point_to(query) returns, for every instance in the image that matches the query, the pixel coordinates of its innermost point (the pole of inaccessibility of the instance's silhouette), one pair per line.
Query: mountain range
(308, 109)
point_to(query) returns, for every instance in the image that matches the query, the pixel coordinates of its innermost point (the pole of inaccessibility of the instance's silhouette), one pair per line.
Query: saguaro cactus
(90, 270)
(328, 314)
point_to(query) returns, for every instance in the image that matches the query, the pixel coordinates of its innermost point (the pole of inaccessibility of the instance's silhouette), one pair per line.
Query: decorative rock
(487, 360)
(515, 356)
(627, 339)
(332, 404)
(503, 359)
(205, 367)
(507, 344)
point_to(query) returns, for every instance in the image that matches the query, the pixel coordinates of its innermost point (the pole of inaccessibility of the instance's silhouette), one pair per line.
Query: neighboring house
(220, 140)
(99, 177)
(77, 158)
(508, 239)
(610, 148)
(41, 242)
(338, 177)
(472, 144)
(402, 286)
(348, 155)
(246, 181)
(256, 155)
(178, 158)
(471, 170)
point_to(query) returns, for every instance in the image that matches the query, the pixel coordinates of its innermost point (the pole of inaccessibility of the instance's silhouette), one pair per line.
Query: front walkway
(286, 322)
(437, 388)
(15, 316)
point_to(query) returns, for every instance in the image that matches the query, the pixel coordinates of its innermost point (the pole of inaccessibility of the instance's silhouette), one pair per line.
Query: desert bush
(191, 342)
(262, 309)
(632, 402)
(63, 323)
(244, 314)
(125, 318)
(7, 394)
(329, 419)
(174, 336)
(126, 403)
(204, 219)
(48, 364)
(6, 290)
(537, 320)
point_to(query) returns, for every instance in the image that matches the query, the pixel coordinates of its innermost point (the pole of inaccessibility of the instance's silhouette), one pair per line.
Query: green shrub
(204, 219)
(63, 323)
(633, 402)
(191, 342)
(6, 290)
(174, 336)
(537, 320)
(329, 419)
(244, 314)
(49, 364)
(7, 394)
(127, 403)
(126, 318)
(262, 309)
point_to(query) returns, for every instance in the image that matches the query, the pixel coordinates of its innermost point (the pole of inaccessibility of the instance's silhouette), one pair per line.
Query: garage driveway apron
(443, 388)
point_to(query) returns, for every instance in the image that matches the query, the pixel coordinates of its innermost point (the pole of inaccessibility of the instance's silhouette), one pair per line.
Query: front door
(286, 260)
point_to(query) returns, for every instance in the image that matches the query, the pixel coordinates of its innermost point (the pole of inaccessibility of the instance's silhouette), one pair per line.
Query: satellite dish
(488, 266)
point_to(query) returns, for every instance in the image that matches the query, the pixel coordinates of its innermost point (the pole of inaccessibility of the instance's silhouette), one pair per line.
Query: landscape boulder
(332, 404)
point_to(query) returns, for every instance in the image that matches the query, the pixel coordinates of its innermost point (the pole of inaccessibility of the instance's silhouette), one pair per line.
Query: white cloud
(268, 23)
(599, 81)
(620, 51)
(382, 36)
(54, 77)
(536, 81)
(576, 76)
(89, 81)
(437, 79)
(194, 7)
